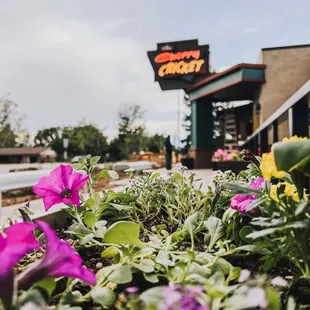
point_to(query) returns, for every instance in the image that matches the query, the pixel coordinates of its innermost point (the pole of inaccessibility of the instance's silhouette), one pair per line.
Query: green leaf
(121, 275)
(94, 160)
(87, 239)
(153, 296)
(90, 219)
(110, 252)
(78, 230)
(146, 265)
(90, 203)
(110, 174)
(262, 233)
(241, 188)
(255, 203)
(162, 258)
(190, 224)
(33, 298)
(103, 296)
(301, 182)
(216, 230)
(114, 195)
(245, 231)
(119, 207)
(124, 233)
(48, 284)
(302, 207)
(81, 160)
(249, 248)
(233, 274)
(273, 299)
(268, 231)
(151, 277)
(292, 155)
(101, 224)
(155, 175)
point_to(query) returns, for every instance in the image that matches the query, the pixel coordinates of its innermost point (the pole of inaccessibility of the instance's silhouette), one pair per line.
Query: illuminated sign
(179, 64)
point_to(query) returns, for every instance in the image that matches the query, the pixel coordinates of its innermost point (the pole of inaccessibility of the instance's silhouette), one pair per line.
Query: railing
(16, 180)
(297, 107)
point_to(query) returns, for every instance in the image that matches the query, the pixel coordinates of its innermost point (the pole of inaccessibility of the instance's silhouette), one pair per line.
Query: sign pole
(178, 119)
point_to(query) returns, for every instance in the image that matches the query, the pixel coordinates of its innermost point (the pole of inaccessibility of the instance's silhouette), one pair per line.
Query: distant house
(26, 155)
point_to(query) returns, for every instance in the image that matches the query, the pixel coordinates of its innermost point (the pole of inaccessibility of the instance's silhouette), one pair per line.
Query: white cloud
(252, 30)
(61, 70)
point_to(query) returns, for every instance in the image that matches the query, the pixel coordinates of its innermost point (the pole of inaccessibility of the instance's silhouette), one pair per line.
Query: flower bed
(162, 243)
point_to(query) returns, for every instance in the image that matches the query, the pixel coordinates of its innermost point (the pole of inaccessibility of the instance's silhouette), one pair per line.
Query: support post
(275, 135)
(300, 121)
(263, 136)
(250, 145)
(255, 145)
(201, 133)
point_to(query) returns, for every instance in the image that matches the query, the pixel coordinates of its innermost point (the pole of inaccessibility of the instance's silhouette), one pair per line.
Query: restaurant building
(276, 92)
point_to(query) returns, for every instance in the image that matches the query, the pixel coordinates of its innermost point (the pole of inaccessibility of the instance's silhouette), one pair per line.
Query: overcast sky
(67, 60)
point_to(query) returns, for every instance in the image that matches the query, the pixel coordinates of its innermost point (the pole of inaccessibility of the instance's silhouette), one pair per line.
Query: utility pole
(178, 118)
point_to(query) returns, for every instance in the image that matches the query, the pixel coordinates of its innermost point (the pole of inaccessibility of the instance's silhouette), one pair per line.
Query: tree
(10, 123)
(155, 143)
(115, 150)
(131, 129)
(45, 137)
(84, 139)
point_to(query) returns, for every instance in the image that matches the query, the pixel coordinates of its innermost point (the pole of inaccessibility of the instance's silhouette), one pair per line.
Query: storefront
(267, 86)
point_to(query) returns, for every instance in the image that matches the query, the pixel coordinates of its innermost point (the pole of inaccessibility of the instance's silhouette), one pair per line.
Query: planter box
(233, 165)
(188, 163)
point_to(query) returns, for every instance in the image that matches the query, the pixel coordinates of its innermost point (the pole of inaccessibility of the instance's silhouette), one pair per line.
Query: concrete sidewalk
(36, 206)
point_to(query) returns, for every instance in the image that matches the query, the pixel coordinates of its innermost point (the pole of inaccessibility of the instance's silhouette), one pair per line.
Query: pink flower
(59, 260)
(61, 186)
(257, 298)
(17, 241)
(240, 202)
(219, 153)
(132, 290)
(228, 156)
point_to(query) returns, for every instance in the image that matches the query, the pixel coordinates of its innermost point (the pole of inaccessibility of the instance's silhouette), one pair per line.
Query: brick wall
(287, 70)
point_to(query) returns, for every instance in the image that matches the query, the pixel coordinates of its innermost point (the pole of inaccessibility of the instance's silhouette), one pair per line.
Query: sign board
(177, 65)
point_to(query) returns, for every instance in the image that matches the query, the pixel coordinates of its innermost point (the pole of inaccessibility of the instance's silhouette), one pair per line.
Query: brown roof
(5, 151)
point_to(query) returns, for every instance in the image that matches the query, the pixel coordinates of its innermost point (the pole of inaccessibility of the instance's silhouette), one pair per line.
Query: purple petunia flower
(240, 202)
(178, 297)
(59, 260)
(17, 241)
(132, 290)
(61, 186)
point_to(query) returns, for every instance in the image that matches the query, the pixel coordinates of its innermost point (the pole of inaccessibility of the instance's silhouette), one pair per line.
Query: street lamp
(65, 144)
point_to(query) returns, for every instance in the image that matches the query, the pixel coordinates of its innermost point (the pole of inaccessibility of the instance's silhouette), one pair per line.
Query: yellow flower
(269, 169)
(289, 191)
(294, 138)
